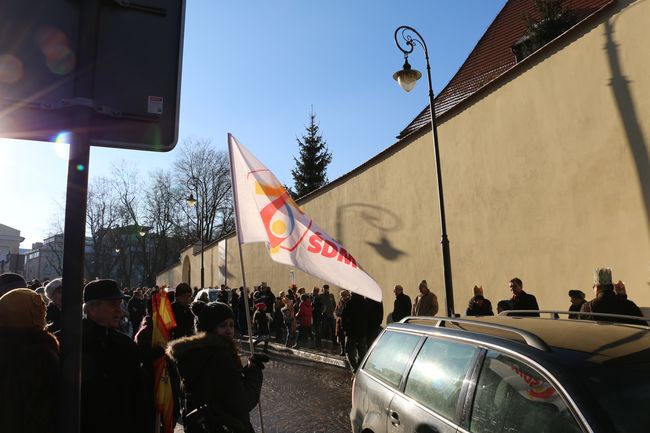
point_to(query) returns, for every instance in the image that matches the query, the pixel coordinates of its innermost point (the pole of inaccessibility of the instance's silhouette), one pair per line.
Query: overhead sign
(136, 72)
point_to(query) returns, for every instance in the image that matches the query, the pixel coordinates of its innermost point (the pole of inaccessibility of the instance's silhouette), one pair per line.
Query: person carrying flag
(219, 392)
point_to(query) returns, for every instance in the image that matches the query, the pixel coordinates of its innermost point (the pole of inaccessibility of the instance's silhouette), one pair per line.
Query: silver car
(504, 375)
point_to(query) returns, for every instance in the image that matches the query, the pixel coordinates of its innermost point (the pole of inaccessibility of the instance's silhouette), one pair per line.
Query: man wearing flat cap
(606, 301)
(113, 394)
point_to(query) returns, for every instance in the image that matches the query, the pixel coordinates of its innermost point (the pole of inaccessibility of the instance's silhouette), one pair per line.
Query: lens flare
(81, 167)
(11, 69)
(62, 144)
(54, 44)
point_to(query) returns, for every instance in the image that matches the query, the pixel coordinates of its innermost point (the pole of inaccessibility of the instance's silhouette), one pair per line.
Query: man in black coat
(354, 325)
(113, 393)
(182, 313)
(607, 301)
(374, 319)
(522, 300)
(402, 306)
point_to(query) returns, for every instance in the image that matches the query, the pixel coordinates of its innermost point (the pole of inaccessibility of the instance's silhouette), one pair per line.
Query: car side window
(390, 356)
(437, 375)
(513, 397)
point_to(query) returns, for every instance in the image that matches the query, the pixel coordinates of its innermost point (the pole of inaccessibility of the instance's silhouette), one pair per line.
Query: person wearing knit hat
(214, 379)
(53, 291)
(112, 383)
(29, 363)
(478, 304)
(10, 281)
(607, 301)
(426, 302)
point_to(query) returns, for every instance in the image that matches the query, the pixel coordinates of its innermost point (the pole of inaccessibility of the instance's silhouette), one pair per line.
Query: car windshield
(623, 393)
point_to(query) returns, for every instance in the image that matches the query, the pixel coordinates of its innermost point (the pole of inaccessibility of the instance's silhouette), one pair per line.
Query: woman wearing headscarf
(29, 362)
(218, 391)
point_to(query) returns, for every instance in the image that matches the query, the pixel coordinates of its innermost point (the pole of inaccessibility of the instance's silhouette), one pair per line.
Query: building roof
(492, 56)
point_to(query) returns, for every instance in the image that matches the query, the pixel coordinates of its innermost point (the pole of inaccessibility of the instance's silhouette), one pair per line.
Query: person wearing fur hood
(29, 362)
(213, 379)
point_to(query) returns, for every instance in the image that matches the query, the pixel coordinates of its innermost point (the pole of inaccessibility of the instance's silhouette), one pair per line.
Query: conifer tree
(311, 165)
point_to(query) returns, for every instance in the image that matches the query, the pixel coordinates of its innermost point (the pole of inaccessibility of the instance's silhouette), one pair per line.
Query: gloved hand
(259, 359)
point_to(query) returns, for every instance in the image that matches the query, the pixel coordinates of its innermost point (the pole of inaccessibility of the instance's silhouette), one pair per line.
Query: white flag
(265, 212)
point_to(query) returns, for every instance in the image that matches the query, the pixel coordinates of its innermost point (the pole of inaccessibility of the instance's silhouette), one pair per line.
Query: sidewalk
(324, 355)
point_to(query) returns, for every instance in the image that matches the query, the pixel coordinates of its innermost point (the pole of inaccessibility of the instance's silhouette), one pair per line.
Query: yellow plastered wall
(546, 176)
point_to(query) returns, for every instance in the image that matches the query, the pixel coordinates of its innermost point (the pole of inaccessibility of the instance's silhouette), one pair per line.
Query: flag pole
(243, 273)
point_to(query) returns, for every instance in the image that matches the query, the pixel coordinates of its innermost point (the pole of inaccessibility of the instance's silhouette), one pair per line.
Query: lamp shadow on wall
(384, 220)
(623, 97)
(224, 271)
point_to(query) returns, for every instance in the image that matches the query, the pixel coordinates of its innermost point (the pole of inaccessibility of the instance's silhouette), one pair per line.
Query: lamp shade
(191, 201)
(407, 77)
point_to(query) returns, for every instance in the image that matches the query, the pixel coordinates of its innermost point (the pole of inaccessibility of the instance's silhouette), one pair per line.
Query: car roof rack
(553, 314)
(531, 339)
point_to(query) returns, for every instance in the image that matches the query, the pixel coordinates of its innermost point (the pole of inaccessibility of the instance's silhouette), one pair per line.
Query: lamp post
(407, 79)
(192, 183)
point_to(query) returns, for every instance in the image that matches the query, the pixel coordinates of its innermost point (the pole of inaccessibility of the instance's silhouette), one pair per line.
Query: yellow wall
(546, 176)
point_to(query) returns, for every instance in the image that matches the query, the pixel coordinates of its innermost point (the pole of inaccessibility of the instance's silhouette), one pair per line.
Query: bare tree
(102, 221)
(205, 172)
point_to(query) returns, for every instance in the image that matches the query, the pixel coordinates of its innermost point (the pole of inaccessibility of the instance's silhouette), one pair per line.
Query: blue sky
(255, 69)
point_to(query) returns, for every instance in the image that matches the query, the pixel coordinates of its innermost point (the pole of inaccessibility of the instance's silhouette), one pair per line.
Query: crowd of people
(210, 384)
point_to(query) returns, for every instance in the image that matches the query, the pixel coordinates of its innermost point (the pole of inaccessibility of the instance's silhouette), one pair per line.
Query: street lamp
(142, 232)
(407, 78)
(192, 183)
(117, 250)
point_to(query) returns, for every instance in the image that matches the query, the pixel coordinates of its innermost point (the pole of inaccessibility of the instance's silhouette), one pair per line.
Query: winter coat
(401, 307)
(211, 373)
(261, 322)
(53, 318)
(479, 307)
(137, 311)
(339, 322)
(606, 301)
(149, 355)
(524, 301)
(328, 304)
(425, 305)
(304, 316)
(317, 311)
(353, 317)
(29, 363)
(576, 308)
(184, 321)
(374, 318)
(115, 397)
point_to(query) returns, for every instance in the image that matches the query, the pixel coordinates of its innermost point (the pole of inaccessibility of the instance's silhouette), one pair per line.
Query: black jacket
(401, 307)
(114, 397)
(211, 373)
(29, 368)
(524, 301)
(353, 318)
(478, 308)
(607, 301)
(184, 321)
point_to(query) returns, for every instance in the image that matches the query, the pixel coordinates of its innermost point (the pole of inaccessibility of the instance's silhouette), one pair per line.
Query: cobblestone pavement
(302, 396)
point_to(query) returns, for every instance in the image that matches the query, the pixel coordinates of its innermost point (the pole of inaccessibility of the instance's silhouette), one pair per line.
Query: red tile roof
(492, 55)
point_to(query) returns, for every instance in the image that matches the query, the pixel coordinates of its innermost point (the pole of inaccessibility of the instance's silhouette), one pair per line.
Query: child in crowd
(261, 322)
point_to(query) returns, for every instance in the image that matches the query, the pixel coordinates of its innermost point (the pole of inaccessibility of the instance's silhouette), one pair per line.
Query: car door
(429, 402)
(379, 379)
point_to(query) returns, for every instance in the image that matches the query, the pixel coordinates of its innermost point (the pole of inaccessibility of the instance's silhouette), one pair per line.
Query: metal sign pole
(74, 240)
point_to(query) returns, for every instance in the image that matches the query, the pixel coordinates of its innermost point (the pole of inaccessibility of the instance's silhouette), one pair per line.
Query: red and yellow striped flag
(163, 323)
